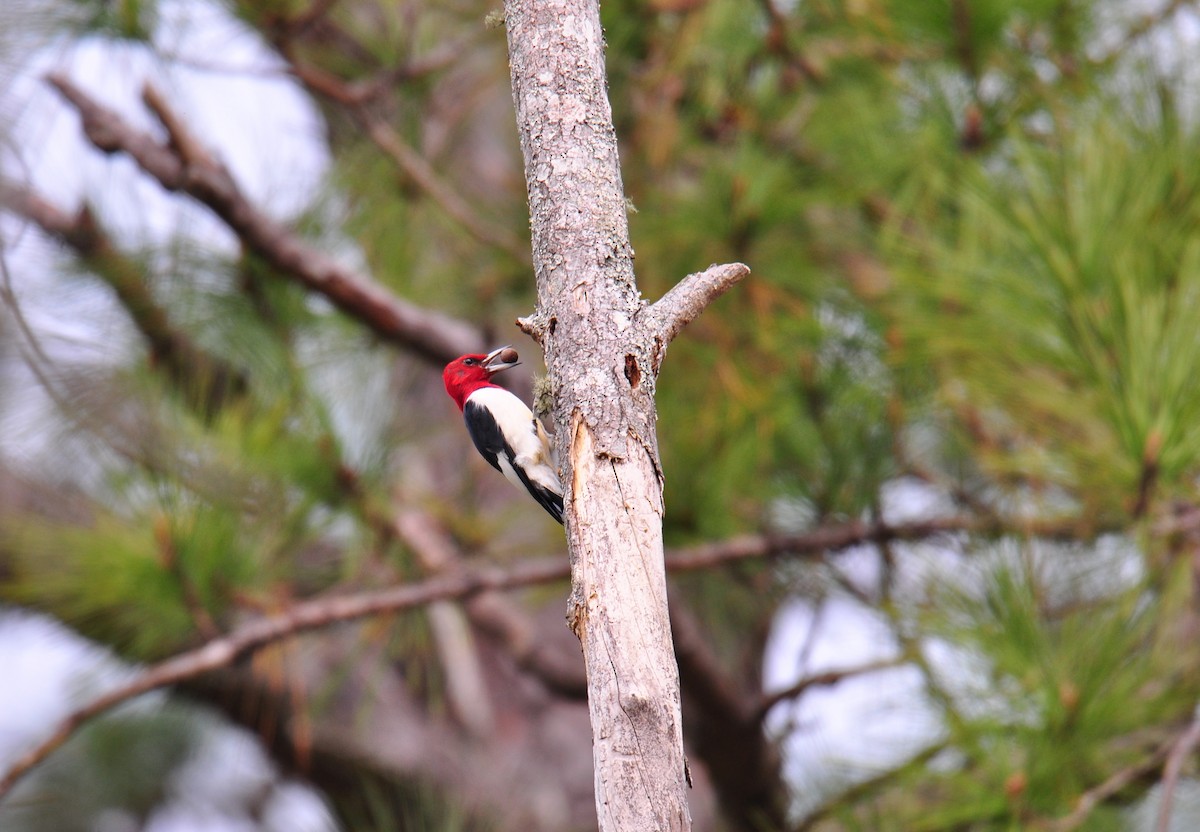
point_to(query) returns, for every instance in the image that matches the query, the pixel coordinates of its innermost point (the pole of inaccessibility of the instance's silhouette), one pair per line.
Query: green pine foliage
(1056, 302)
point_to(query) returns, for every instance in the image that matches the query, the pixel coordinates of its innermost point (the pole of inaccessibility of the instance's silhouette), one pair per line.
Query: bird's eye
(470, 361)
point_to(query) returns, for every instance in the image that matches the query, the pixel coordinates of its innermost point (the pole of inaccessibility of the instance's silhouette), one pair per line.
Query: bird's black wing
(486, 435)
(490, 442)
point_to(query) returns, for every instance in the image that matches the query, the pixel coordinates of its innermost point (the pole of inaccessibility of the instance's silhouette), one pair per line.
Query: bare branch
(840, 536)
(559, 671)
(493, 614)
(310, 615)
(50, 218)
(837, 536)
(1141, 26)
(435, 337)
(780, 42)
(689, 297)
(462, 585)
(829, 677)
(466, 688)
(184, 143)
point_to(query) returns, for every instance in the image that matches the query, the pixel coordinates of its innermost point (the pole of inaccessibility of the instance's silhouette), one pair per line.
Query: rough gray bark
(604, 346)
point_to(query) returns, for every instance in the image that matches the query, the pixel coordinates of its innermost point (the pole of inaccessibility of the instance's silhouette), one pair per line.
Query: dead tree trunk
(604, 346)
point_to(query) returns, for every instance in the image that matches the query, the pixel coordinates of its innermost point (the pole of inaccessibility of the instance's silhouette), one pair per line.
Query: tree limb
(302, 617)
(597, 357)
(667, 316)
(465, 584)
(842, 535)
(435, 337)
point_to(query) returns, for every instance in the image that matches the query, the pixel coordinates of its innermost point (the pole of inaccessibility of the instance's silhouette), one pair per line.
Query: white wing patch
(526, 436)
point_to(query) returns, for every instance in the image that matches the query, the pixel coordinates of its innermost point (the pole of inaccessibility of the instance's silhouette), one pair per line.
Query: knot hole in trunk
(632, 373)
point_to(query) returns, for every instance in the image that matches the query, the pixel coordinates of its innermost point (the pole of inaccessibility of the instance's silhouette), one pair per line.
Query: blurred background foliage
(974, 230)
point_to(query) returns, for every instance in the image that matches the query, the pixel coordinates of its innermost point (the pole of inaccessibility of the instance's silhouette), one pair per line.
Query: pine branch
(462, 585)
(1089, 800)
(300, 618)
(206, 382)
(857, 792)
(418, 169)
(178, 165)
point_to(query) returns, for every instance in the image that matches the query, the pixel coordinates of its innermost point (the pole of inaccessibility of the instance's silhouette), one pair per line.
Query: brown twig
(964, 46)
(186, 145)
(419, 170)
(317, 11)
(302, 617)
(1139, 28)
(843, 535)
(168, 554)
(492, 613)
(1093, 797)
(825, 679)
(1180, 750)
(466, 687)
(433, 336)
(779, 41)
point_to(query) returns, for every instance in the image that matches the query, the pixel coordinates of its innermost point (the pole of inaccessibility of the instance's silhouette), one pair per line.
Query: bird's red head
(466, 374)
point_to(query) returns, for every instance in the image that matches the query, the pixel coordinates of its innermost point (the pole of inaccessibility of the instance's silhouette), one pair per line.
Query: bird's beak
(494, 363)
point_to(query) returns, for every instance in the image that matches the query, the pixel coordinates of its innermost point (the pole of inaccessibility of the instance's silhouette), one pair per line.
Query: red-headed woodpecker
(503, 429)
